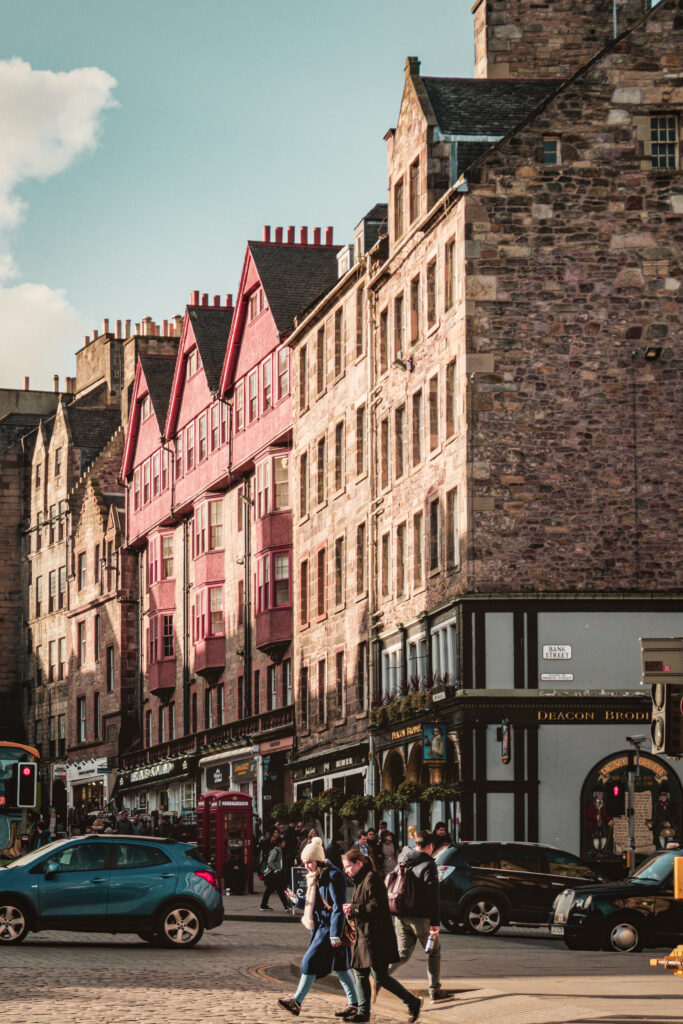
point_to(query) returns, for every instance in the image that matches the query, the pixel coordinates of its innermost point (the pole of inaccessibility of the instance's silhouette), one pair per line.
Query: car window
(136, 855)
(520, 858)
(79, 857)
(196, 854)
(482, 855)
(658, 868)
(450, 855)
(560, 863)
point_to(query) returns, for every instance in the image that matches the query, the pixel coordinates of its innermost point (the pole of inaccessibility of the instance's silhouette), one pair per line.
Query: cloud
(47, 120)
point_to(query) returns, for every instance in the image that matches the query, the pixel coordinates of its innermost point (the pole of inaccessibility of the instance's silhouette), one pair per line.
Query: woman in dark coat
(375, 946)
(324, 916)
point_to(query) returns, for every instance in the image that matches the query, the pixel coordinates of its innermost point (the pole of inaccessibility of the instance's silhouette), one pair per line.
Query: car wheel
(624, 934)
(452, 924)
(13, 923)
(180, 926)
(483, 915)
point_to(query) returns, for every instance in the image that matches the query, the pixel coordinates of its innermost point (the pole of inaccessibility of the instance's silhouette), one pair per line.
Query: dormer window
(192, 363)
(414, 190)
(257, 303)
(145, 408)
(398, 208)
(58, 462)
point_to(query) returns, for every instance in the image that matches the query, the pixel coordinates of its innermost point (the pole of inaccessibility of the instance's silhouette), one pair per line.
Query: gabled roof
(15, 425)
(211, 327)
(379, 212)
(91, 429)
(482, 106)
(158, 373)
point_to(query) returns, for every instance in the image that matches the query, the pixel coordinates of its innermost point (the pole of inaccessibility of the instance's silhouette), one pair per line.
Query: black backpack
(402, 890)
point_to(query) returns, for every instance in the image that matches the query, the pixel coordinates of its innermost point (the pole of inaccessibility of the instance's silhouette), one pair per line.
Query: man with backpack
(413, 890)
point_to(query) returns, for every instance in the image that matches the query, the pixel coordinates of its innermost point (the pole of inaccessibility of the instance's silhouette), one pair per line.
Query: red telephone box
(225, 831)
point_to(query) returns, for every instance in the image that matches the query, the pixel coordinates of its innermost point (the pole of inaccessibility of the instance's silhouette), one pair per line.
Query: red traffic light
(616, 790)
(26, 770)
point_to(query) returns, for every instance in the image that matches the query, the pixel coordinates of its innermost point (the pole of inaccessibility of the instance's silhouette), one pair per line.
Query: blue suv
(162, 890)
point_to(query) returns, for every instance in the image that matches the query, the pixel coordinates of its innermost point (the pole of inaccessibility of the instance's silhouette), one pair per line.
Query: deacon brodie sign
(602, 716)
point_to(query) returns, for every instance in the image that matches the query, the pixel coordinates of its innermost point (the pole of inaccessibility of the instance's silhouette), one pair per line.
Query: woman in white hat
(324, 917)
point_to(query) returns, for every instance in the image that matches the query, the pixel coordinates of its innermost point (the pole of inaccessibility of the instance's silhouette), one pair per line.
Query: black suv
(623, 916)
(485, 885)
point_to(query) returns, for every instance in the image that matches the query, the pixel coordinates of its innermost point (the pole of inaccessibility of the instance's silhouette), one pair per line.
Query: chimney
(217, 300)
(69, 385)
(303, 236)
(126, 328)
(316, 236)
(290, 235)
(164, 328)
(278, 235)
(137, 329)
(194, 298)
(118, 330)
(94, 334)
(105, 327)
(26, 387)
(329, 234)
(412, 67)
(86, 339)
(205, 298)
(55, 384)
(177, 325)
(266, 232)
(228, 300)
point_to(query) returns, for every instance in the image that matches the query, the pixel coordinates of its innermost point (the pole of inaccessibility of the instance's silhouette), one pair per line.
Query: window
(52, 590)
(418, 549)
(663, 142)
(200, 531)
(61, 525)
(164, 468)
(148, 728)
(303, 696)
(551, 151)
(287, 682)
(39, 474)
(339, 567)
(146, 489)
(360, 317)
(339, 680)
(39, 665)
(303, 484)
(431, 294)
(53, 522)
(190, 364)
(96, 637)
(386, 565)
(215, 525)
(112, 566)
(110, 669)
(61, 735)
(256, 303)
(281, 578)
(96, 564)
(361, 558)
(320, 360)
(156, 474)
(215, 427)
(384, 453)
(414, 190)
(320, 472)
(303, 592)
(398, 209)
(263, 583)
(167, 556)
(303, 378)
(96, 716)
(339, 456)
(39, 520)
(263, 488)
(201, 438)
(433, 412)
(399, 326)
(383, 341)
(281, 473)
(271, 688)
(283, 372)
(452, 535)
(179, 464)
(448, 273)
(322, 702)
(39, 595)
(338, 342)
(434, 534)
(401, 560)
(400, 440)
(362, 674)
(415, 310)
(52, 661)
(220, 703)
(451, 393)
(239, 407)
(189, 447)
(58, 462)
(61, 658)
(360, 440)
(418, 429)
(267, 384)
(322, 581)
(253, 396)
(215, 611)
(80, 719)
(82, 570)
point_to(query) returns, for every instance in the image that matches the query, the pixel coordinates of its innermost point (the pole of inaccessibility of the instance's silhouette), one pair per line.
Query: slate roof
(379, 212)
(482, 106)
(159, 371)
(15, 425)
(91, 429)
(211, 327)
(293, 276)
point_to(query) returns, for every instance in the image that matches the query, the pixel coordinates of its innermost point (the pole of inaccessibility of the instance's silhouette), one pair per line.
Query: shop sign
(244, 771)
(557, 652)
(410, 730)
(604, 716)
(162, 770)
(218, 777)
(434, 742)
(557, 677)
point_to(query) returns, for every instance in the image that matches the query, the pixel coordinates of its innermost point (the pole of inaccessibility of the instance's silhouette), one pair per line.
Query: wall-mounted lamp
(404, 364)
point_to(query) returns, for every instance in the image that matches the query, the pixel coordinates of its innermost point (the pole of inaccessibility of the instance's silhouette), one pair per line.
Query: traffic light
(662, 669)
(23, 784)
(616, 800)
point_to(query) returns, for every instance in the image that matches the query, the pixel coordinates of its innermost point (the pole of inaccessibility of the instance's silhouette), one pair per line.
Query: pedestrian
(324, 917)
(334, 851)
(362, 842)
(137, 824)
(375, 947)
(124, 826)
(273, 876)
(307, 838)
(263, 852)
(389, 852)
(43, 836)
(374, 849)
(441, 836)
(423, 920)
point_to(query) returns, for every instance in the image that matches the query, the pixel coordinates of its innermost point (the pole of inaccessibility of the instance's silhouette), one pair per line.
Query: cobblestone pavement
(237, 972)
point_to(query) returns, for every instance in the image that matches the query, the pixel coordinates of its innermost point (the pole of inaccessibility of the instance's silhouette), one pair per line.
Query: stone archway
(417, 770)
(393, 772)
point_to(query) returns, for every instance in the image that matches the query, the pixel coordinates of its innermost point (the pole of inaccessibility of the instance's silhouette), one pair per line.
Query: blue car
(162, 890)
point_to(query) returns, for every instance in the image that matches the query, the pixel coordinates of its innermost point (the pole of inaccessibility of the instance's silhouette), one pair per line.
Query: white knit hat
(313, 850)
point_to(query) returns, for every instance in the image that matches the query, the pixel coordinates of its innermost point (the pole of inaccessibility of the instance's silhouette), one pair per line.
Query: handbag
(349, 931)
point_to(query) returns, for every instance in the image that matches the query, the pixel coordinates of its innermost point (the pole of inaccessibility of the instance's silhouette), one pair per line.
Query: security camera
(636, 739)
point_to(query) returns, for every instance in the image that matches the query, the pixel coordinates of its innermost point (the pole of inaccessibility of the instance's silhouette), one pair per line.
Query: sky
(145, 141)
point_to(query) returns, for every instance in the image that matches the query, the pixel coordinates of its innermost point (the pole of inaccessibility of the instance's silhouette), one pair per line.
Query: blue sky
(142, 178)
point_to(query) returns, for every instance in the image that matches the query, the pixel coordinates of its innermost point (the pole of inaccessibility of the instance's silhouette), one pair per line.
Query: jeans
(383, 978)
(306, 982)
(408, 931)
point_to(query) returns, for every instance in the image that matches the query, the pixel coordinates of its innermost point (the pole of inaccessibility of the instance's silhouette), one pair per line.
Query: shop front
(163, 788)
(89, 784)
(345, 768)
(276, 777)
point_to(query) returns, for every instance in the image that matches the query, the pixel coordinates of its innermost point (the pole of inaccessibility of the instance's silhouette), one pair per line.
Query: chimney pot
(205, 298)
(194, 298)
(266, 232)
(278, 234)
(329, 235)
(86, 339)
(94, 335)
(127, 328)
(216, 300)
(137, 329)
(316, 236)
(26, 387)
(303, 235)
(55, 383)
(118, 329)
(290, 235)
(105, 327)
(228, 300)
(164, 328)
